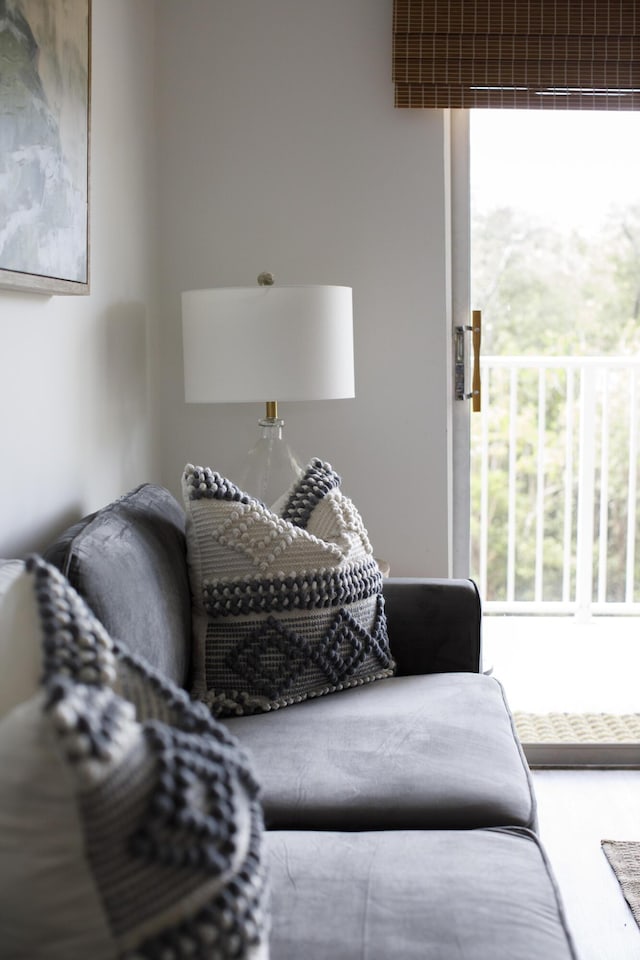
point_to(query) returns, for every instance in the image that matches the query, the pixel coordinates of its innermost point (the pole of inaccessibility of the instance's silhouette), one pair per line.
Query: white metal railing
(555, 471)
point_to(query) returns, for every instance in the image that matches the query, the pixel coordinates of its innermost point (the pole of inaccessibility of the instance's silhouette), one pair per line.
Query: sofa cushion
(128, 562)
(120, 837)
(417, 752)
(287, 606)
(416, 895)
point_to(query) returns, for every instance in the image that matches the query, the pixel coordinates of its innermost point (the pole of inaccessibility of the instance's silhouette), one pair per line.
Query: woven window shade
(541, 54)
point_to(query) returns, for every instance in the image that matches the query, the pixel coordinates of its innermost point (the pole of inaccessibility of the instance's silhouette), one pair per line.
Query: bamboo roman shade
(582, 54)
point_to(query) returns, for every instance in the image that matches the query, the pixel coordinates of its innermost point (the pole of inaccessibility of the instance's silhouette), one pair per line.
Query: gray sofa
(400, 815)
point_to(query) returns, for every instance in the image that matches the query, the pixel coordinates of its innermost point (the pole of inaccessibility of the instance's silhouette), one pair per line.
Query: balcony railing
(554, 485)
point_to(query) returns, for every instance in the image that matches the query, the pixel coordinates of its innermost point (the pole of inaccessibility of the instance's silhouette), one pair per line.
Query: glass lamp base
(271, 468)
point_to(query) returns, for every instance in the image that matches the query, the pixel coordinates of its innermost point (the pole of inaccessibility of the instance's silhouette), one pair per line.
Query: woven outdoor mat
(624, 859)
(578, 727)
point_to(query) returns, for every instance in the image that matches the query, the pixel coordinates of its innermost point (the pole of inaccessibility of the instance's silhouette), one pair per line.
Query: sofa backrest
(128, 561)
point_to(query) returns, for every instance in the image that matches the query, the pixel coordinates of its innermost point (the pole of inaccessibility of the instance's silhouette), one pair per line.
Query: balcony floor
(557, 664)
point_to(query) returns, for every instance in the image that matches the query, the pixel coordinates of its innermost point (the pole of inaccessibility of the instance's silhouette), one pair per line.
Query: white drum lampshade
(268, 344)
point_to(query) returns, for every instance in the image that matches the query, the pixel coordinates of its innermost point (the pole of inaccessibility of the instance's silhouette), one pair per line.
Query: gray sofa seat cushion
(477, 894)
(417, 752)
(128, 561)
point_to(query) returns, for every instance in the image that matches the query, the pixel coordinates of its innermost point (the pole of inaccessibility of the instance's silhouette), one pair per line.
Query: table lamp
(268, 343)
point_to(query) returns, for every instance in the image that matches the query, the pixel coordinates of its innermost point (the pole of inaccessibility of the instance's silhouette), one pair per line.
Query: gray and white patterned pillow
(287, 605)
(121, 837)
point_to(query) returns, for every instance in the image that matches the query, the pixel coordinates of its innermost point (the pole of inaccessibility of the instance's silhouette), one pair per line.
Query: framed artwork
(45, 84)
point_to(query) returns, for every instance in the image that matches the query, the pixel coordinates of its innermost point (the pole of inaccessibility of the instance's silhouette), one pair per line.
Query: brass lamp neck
(272, 410)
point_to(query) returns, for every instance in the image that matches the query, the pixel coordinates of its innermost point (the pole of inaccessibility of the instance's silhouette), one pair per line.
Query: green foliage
(545, 292)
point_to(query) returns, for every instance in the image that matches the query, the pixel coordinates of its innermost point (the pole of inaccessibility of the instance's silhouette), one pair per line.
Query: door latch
(460, 373)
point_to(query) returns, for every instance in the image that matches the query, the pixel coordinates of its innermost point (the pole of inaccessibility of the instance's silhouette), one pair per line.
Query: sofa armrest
(433, 625)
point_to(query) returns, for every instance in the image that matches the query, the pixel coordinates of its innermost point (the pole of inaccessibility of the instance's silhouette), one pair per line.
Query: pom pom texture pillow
(287, 605)
(121, 837)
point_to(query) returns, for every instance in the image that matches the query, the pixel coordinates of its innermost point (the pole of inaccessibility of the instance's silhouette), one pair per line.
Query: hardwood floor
(577, 809)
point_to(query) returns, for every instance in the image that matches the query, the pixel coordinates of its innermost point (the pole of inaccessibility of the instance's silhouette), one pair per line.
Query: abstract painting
(45, 76)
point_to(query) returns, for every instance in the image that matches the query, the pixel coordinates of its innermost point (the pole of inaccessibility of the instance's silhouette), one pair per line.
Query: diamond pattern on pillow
(123, 836)
(286, 605)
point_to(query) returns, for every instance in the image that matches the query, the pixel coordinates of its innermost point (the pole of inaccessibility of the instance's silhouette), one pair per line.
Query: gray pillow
(120, 835)
(286, 605)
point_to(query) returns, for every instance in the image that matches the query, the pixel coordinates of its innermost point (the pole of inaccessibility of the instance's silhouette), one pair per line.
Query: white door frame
(459, 252)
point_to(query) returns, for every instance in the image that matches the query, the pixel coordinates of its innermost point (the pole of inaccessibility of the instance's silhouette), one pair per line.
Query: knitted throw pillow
(121, 837)
(287, 605)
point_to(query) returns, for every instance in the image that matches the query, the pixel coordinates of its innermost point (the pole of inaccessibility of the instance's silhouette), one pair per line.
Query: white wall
(280, 150)
(75, 389)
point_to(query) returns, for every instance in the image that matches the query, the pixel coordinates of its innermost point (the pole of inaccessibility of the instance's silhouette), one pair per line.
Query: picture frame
(45, 113)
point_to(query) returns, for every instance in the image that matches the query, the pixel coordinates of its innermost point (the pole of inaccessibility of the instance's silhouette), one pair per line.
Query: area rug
(578, 727)
(624, 859)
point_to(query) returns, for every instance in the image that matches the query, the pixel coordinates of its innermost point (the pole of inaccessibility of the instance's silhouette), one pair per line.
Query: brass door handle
(476, 384)
(460, 363)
